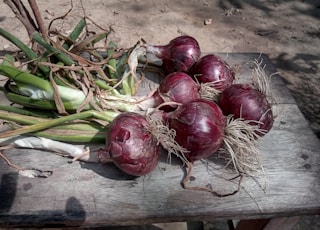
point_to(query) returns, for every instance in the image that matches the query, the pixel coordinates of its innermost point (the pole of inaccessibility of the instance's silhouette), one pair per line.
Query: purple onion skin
(177, 87)
(199, 127)
(211, 68)
(243, 100)
(130, 146)
(179, 54)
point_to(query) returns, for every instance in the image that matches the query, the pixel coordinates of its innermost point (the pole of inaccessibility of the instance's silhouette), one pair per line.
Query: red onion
(211, 68)
(199, 127)
(243, 100)
(130, 146)
(178, 55)
(177, 87)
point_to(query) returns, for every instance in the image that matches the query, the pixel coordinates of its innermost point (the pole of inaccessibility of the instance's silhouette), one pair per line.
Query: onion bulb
(245, 101)
(212, 69)
(130, 146)
(177, 87)
(178, 55)
(199, 127)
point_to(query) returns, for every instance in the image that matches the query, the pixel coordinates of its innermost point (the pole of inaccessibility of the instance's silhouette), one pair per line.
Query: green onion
(73, 136)
(60, 55)
(27, 112)
(112, 63)
(80, 131)
(75, 33)
(20, 76)
(104, 116)
(8, 60)
(27, 51)
(38, 104)
(100, 95)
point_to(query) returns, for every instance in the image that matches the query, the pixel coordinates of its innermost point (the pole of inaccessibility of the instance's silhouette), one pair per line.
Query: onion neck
(159, 51)
(103, 156)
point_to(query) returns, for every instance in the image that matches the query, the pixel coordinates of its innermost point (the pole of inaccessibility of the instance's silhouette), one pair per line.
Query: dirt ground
(288, 31)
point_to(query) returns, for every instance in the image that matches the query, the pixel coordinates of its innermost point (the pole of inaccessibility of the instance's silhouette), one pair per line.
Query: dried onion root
(240, 147)
(166, 136)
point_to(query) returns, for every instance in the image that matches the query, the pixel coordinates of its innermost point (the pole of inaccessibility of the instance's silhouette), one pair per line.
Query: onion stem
(39, 104)
(20, 76)
(80, 131)
(26, 111)
(73, 133)
(73, 136)
(28, 52)
(75, 33)
(112, 61)
(104, 116)
(61, 56)
(21, 119)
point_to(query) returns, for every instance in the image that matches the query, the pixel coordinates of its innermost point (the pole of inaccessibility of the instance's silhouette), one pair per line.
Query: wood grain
(88, 194)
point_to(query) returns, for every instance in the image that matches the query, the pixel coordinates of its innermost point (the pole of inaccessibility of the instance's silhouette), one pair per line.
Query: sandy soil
(288, 31)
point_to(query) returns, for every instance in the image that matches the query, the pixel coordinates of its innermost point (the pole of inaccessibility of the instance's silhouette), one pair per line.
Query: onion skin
(179, 54)
(243, 100)
(130, 146)
(177, 87)
(211, 68)
(199, 127)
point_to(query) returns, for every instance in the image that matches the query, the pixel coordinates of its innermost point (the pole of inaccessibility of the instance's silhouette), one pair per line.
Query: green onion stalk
(32, 90)
(29, 90)
(84, 93)
(62, 134)
(71, 128)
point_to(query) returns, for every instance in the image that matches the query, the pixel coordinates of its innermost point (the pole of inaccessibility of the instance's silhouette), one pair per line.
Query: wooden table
(88, 194)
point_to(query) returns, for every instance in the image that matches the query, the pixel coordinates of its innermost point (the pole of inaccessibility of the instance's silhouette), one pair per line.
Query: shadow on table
(73, 214)
(8, 189)
(110, 171)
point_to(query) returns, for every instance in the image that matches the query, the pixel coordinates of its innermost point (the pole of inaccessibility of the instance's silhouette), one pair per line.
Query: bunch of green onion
(68, 90)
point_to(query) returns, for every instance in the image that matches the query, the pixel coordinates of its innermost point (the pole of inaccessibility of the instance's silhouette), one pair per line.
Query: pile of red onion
(201, 125)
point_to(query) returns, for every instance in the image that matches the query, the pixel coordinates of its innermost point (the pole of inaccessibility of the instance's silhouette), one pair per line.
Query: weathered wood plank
(90, 194)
